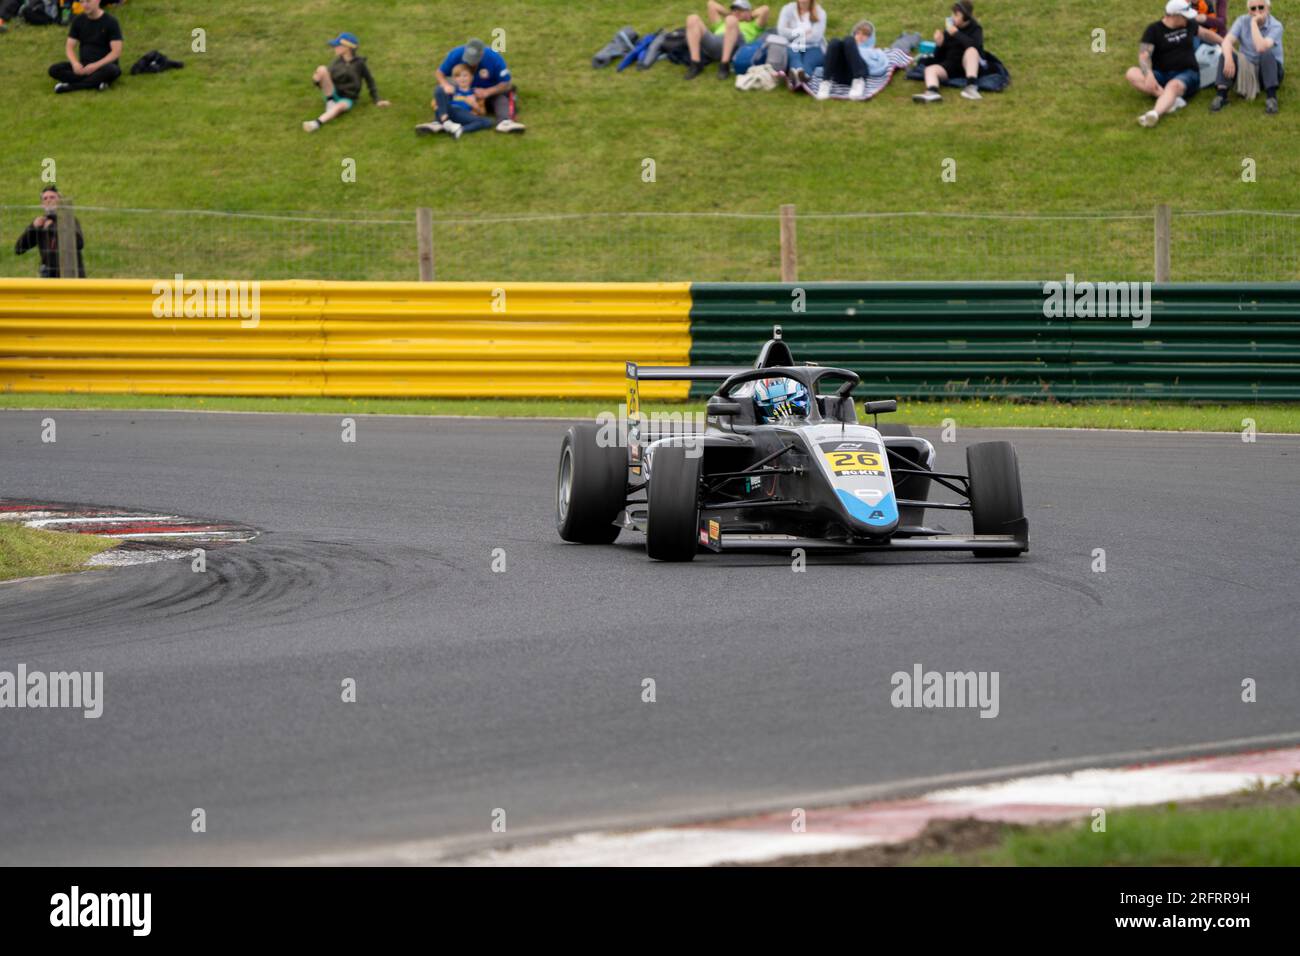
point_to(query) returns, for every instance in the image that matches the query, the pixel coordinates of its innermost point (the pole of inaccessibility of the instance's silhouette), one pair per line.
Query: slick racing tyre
(673, 521)
(591, 487)
(995, 503)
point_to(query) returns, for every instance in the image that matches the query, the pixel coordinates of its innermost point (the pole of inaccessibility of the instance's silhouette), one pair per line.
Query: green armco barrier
(1237, 342)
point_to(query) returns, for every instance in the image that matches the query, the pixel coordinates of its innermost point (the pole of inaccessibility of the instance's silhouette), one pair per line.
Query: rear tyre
(673, 518)
(591, 487)
(996, 506)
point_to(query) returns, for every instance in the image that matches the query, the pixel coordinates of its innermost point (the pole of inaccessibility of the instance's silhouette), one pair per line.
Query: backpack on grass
(43, 13)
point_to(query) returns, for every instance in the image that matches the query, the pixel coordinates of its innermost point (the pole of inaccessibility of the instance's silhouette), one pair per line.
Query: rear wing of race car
(775, 352)
(672, 373)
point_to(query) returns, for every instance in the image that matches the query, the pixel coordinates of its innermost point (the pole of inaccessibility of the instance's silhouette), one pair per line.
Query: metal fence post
(789, 246)
(66, 233)
(1164, 237)
(424, 241)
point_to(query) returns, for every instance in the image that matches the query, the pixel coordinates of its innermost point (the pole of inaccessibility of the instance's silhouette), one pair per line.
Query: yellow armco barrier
(416, 339)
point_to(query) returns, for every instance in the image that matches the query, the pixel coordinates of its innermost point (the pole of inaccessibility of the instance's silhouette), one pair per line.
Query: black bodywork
(764, 487)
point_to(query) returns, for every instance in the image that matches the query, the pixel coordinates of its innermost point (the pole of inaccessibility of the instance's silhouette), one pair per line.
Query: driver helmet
(778, 398)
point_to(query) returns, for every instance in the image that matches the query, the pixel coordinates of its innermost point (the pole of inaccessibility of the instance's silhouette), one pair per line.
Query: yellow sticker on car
(843, 462)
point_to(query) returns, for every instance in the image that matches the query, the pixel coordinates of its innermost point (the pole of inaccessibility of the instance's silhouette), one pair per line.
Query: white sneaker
(454, 128)
(1178, 104)
(1149, 118)
(858, 89)
(823, 90)
(510, 126)
(310, 126)
(929, 96)
(971, 92)
(426, 129)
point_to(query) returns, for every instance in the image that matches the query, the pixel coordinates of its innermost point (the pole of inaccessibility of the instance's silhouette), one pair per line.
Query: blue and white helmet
(777, 398)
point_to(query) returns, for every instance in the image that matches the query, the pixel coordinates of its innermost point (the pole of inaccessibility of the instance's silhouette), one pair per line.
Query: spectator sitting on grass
(959, 48)
(1260, 36)
(851, 60)
(1167, 67)
(803, 25)
(94, 46)
(465, 111)
(340, 82)
(43, 236)
(492, 84)
(1213, 15)
(729, 31)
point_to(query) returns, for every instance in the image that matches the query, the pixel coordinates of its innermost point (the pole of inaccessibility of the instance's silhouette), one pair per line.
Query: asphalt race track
(522, 690)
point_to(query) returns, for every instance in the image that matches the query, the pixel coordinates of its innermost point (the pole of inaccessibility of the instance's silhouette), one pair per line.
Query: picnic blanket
(898, 60)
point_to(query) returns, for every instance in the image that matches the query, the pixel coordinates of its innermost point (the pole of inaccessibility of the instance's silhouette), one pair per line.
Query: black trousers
(62, 73)
(1270, 71)
(843, 62)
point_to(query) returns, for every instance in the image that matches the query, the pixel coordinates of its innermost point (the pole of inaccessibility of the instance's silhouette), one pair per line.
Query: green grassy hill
(224, 134)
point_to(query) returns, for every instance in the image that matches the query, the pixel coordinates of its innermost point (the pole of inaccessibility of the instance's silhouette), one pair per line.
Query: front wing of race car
(719, 541)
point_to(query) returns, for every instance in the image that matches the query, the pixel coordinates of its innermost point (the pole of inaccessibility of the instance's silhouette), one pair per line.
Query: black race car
(794, 471)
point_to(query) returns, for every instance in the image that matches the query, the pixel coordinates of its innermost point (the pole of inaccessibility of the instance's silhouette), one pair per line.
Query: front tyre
(673, 518)
(996, 506)
(590, 488)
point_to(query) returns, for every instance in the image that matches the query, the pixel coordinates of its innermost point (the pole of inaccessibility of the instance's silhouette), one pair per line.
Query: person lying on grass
(852, 60)
(1167, 67)
(959, 48)
(725, 33)
(465, 110)
(1260, 36)
(340, 82)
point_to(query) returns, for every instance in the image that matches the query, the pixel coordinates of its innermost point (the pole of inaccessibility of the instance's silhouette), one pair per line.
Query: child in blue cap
(340, 82)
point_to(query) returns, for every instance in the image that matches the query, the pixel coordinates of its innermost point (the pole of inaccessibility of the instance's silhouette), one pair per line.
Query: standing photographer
(43, 235)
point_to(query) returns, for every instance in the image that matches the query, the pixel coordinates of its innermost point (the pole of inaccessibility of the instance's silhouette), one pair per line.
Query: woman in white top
(803, 25)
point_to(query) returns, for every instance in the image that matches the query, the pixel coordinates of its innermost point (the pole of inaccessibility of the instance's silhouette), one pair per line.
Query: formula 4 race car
(780, 465)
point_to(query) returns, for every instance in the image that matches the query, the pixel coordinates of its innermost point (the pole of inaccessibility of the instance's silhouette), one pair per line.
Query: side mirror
(717, 408)
(879, 408)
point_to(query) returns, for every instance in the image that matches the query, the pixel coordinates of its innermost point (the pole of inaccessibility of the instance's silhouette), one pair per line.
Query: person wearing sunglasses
(1260, 35)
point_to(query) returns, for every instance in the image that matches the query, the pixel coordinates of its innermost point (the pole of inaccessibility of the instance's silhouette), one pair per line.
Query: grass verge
(1264, 831)
(972, 413)
(29, 552)
(1256, 827)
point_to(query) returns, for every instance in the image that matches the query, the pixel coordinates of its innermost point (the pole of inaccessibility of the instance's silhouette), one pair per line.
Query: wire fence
(1213, 246)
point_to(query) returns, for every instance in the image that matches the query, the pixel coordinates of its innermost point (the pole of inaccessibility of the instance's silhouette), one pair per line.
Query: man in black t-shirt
(94, 47)
(1167, 67)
